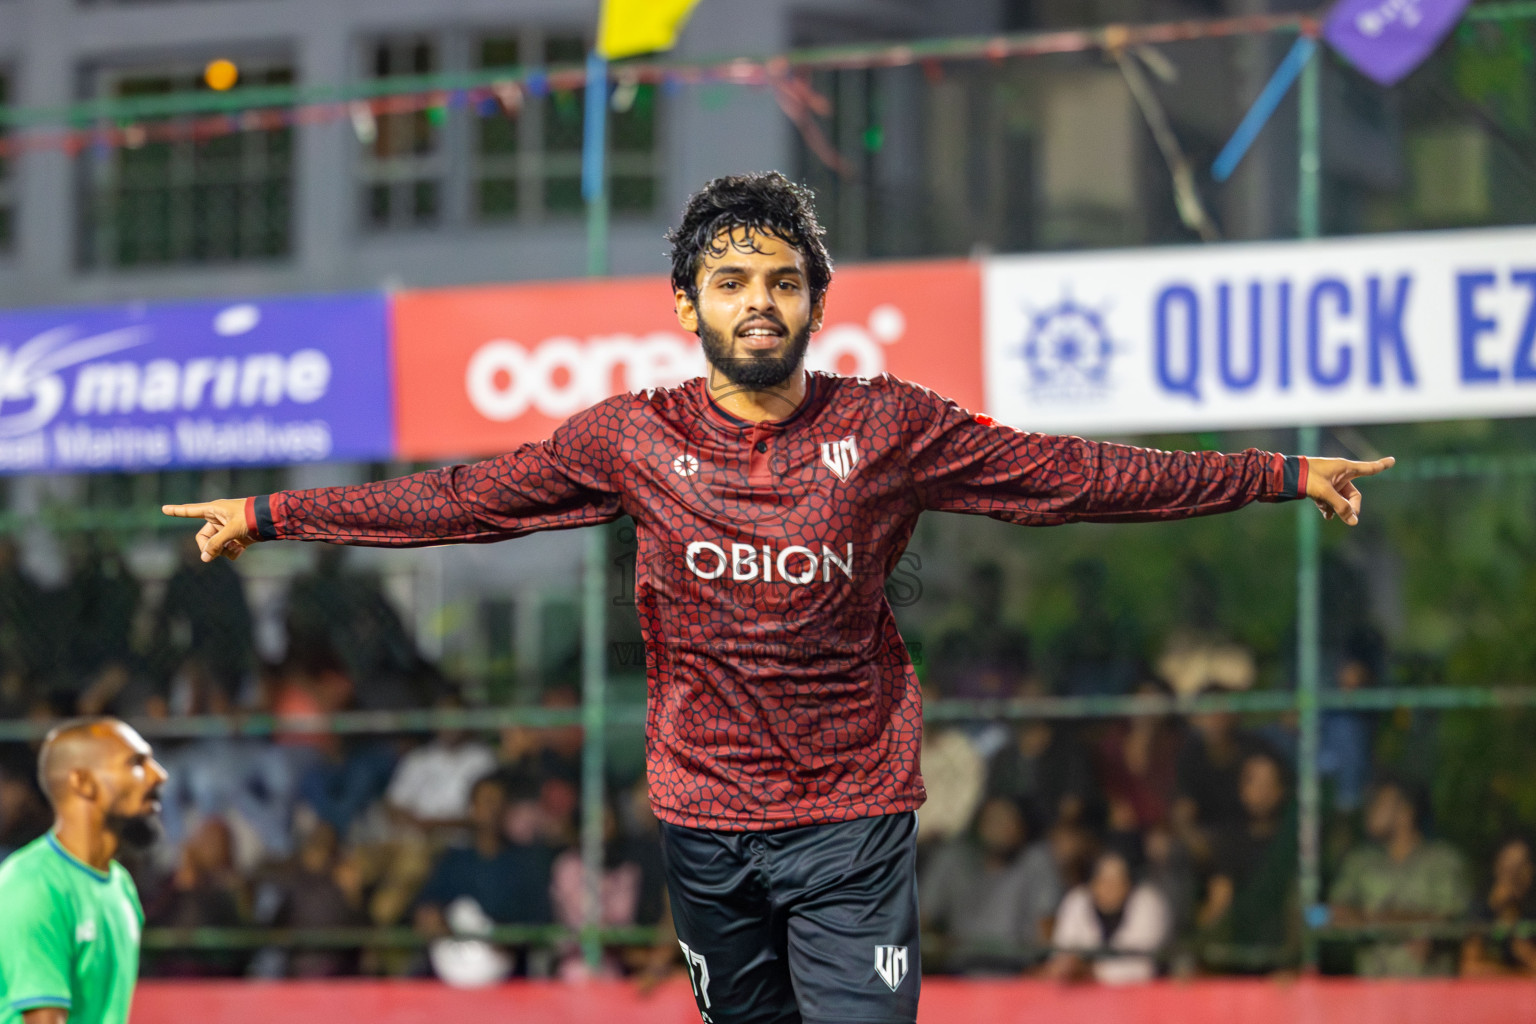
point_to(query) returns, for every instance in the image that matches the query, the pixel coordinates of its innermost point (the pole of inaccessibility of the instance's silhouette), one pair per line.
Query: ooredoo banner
(1382, 328)
(480, 370)
(159, 386)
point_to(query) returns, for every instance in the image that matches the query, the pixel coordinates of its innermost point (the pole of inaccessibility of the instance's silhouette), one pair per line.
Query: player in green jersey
(69, 914)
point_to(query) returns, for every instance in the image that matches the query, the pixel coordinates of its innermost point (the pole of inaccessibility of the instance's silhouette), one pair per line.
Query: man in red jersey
(770, 504)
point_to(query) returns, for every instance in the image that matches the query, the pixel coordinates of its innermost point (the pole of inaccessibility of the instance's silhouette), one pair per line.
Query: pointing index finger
(1379, 466)
(197, 511)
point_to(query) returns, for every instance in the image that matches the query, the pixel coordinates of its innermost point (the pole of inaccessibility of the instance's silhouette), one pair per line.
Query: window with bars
(404, 161)
(217, 198)
(7, 187)
(528, 163)
(515, 162)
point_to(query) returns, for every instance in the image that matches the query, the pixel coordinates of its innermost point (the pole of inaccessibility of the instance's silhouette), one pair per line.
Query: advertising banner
(945, 1000)
(480, 370)
(163, 386)
(1373, 329)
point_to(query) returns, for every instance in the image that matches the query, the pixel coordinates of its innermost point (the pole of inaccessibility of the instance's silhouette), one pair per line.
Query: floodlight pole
(1308, 586)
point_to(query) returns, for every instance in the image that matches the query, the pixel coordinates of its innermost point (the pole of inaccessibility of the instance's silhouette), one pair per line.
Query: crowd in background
(1108, 849)
(1124, 848)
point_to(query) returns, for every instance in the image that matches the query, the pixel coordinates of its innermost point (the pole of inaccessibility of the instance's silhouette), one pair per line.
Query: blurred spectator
(560, 810)
(991, 894)
(1209, 772)
(549, 752)
(1138, 762)
(1345, 737)
(1097, 653)
(204, 891)
(425, 806)
(505, 882)
(1168, 865)
(640, 844)
(1250, 916)
(1073, 846)
(1400, 878)
(335, 610)
(348, 780)
(983, 656)
(1111, 929)
(24, 813)
(99, 601)
(954, 774)
(204, 614)
(317, 889)
(431, 785)
(1045, 768)
(249, 783)
(619, 892)
(29, 629)
(17, 690)
(309, 684)
(1511, 899)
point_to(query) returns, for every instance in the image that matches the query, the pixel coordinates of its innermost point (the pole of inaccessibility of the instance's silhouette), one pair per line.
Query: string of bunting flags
(107, 124)
(130, 124)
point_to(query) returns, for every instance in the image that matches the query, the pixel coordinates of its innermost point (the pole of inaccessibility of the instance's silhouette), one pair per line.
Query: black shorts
(814, 924)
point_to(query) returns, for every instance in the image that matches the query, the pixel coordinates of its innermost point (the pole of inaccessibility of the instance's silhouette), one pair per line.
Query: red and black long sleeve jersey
(780, 691)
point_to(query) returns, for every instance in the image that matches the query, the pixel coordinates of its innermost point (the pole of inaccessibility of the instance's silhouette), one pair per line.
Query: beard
(758, 371)
(136, 831)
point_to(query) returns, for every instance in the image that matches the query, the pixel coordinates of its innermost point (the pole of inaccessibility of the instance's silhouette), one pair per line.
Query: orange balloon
(221, 75)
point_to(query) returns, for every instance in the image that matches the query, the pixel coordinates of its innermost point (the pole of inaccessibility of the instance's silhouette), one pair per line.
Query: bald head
(89, 745)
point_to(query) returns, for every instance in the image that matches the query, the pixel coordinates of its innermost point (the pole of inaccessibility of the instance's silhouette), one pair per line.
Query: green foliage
(1494, 65)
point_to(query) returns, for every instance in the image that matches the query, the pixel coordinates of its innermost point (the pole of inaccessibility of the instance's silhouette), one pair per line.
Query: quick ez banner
(160, 386)
(1370, 329)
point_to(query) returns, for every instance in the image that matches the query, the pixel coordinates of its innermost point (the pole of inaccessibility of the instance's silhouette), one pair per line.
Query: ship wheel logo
(1068, 351)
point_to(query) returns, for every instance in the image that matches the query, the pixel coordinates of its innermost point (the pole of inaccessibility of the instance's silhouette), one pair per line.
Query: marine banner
(180, 385)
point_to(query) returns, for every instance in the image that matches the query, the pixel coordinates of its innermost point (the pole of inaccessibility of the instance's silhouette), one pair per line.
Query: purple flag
(1386, 39)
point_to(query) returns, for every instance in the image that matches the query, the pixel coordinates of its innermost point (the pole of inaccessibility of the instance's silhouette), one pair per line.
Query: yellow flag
(628, 27)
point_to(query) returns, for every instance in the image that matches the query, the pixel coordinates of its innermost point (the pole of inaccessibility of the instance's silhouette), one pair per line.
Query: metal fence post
(594, 617)
(594, 695)
(1308, 590)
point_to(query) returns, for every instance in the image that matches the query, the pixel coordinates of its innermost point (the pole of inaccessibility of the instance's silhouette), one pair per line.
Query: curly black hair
(767, 202)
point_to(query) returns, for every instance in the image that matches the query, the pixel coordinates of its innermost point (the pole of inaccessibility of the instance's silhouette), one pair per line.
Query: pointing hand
(225, 532)
(1330, 485)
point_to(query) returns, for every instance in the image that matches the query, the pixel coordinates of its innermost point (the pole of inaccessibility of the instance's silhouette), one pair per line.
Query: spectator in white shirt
(1110, 929)
(432, 783)
(426, 806)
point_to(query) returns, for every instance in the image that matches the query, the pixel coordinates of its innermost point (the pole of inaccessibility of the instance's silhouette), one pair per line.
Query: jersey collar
(720, 418)
(58, 848)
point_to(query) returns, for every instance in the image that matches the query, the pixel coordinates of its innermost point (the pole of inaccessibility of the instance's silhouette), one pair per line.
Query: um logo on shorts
(891, 965)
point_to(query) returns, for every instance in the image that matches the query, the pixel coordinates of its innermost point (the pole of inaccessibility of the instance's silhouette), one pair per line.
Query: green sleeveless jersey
(69, 935)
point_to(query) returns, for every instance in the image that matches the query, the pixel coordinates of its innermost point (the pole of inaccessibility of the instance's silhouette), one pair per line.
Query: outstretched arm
(966, 463)
(543, 486)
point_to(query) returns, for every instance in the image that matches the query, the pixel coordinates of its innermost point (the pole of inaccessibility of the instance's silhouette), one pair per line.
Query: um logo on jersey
(840, 456)
(891, 965)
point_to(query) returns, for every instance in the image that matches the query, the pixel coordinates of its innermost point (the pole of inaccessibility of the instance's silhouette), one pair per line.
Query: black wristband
(1291, 479)
(262, 527)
